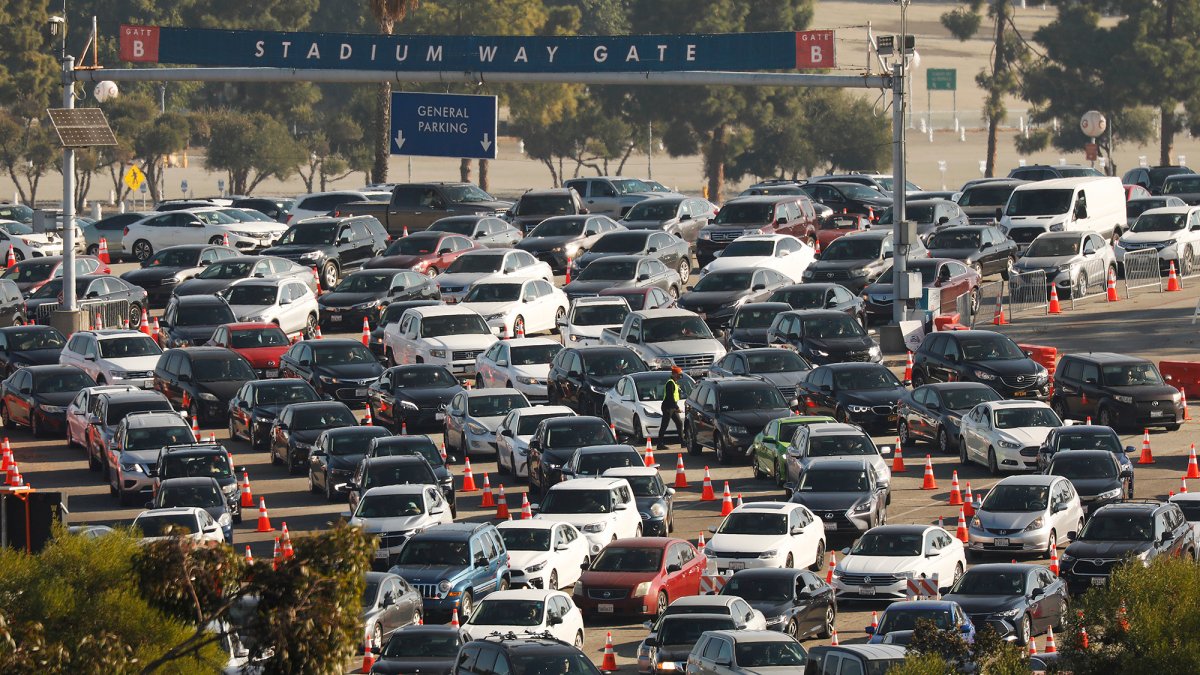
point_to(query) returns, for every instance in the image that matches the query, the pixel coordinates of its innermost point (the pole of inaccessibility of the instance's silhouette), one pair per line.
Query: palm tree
(387, 13)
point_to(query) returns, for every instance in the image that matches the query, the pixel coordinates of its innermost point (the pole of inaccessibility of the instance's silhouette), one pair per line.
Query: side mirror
(89, 357)
(436, 511)
(1071, 535)
(870, 630)
(1037, 593)
(645, 277)
(503, 363)
(797, 530)
(305, 362)
(652, 249)
(651, 641)
(184, 377)
(506, 432)
(562, 546)
(343, 240)
(758, 287)
(444, 251)
(673, 568)
(555, 620)
(584, 565)
(345, 487)
(1129, 449)
(686, 216)
(244, 405)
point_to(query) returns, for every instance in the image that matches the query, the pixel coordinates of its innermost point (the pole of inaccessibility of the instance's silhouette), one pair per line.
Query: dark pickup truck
(416, 205)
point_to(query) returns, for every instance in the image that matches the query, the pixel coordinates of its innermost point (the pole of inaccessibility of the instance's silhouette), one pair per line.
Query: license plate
(1000, 542)
(866, 590)
(335, 316)
(604, 609)
(381, 555)
(1018, 394)
(830, 526)
(893, 418)
(737, 565)
(360, 392)
(274, 372)
(460, 368)
(439, 416)
(450, 301)
(1099, 581)
(1158, 413)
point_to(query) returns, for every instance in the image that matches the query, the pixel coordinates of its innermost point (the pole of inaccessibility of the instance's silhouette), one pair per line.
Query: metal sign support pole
(900, 251)
(68, 199)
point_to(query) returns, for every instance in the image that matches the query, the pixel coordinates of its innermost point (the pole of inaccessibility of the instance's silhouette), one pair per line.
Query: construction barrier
(1028, 292)
(1046, 356)
(1142, 270)
(923, 588)
(1183, 375)
(711, 584)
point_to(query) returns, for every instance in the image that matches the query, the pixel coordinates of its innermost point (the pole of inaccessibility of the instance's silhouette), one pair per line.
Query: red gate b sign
(139, 44)
(814, 49)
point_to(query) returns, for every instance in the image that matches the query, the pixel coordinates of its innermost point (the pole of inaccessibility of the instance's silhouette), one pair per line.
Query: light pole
(57, 27)
(900, 256)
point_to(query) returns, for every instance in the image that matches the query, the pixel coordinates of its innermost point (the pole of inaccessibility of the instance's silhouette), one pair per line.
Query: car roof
(836, 464)
(867, 234)
(736, 382)
(492, 391)
(1131, 506)
(530, 524)
(1009, 403)
(744, 636)
(900, 529)
(606, 448)
(531, 342)
(451, 531)
(109, 333)
(200, 299)
(901, 605)
(1175, 210)
(1007, 567)
(1076, 454)
(1107, 357)
(592, 483)
(835, 429)
(876, 652)
(249, 325)
(663, 313)
(545, 410)
(1035, 478)
(699, 615)
(557, 421)
(139, 395)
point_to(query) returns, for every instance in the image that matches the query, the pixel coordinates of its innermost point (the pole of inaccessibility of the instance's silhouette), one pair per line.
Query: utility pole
(899, 250)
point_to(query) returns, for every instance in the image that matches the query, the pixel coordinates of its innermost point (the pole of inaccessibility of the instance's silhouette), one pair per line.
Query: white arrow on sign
(399, 139)
(485, 143)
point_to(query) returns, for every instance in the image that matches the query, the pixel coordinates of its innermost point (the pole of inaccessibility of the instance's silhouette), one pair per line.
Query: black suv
(1035, 172)
(373, 472)
(208, 460)
(980, 356)
(202, 380)
(331, 245)
(528, 654)
(580, 376)
(856, 259)
(823, 336)
(420, 445)
(555, 442)
(1115, 533)
(727, 413)
(192, 319)
(1116, 390)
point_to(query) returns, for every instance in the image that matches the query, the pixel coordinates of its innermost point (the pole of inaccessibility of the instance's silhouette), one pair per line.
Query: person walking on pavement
(670, 407)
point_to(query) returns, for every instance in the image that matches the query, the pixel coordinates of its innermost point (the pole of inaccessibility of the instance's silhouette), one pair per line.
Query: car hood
(1149, 392)
(955, 253)
(579, 520)
(1090, 487)
(489, 423)
(739, 261)
(243, 312)
(592, 256)
(38, 357)
(1027, 435)
(702, 346)
(399, 261)
(751, 335)
(545, 243)
(195, 286)
(135, 362)
(747, 542)
(985, 604)
(427, 395)
(462, 341)
(353, 371)
(344, 299)
(1006, 520)
(270, 411)
(841, 344)
(146, 274)
(828, 501)
(708, 301)
(1046, 262)
(61, 398)
(839, 265)
(526, 559)
(195, 334)
(873, 396)
(345, 462)
(615, 579)
(1107, 549)
(411, 666)
(304, 436)
(770, 608)
(148, 456)
(263, 357)
(788, 379)
(222, 390)
(1008, 367)
(487, 309)
(377, 525)
(647, 224)
(426, 574)
(878, 564)
(463, 279)
(1150, 237)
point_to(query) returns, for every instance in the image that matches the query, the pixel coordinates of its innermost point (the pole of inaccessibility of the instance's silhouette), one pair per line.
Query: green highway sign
(941, 79)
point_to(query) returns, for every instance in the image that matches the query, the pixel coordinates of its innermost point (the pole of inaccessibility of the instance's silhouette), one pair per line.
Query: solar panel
(81, 127)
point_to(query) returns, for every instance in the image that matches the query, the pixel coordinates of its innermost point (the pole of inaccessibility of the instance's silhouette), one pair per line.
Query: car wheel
(993, 465)
(232, 434)
(958, 572)
(310, 327)
(518, 326)
(93, 459)
(1186, 262)
(560, 316)
(693, 447)
(465, 606)
(943, 442)
(756, 470)
(1059, 407)
(503, 585)
(820, 561)
(906, 440)
(780, 475)
(579, 640)
(962, 452)
(723, 456)
(377, 636)
(638, 531)
(975, 298)
(662, 602)
(1024, 630)
(1105, 417)
(1172, 427)
(431, 272)
(1051, 543)
(673, 292)
(552, 581)
(479, 382)
(142, 250)
(1081, 285)
(274, 456)
(135, 315)
(792, 629)
(917, 379)
(94, 249)
(828, 624)
(34, 428)
(328, 489)
(638, 432)
(329, 275)
(501, 467)
(685, 270)
(790, 562)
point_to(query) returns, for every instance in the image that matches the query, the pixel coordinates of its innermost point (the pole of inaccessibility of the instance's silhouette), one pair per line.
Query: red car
(259, 343)
(840, 224)
(425, 252)
(30, 275)
(639, 576)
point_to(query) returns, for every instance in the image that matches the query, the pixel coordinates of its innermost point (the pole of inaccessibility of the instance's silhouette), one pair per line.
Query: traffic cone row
(1147, 456)
(1112, 286)
(264, 521)
(1173, 280)
(961, 531)
(502, 505)
(488, 500)
(1055, 306)
(955, 491)
(680, 473)
(1193, 471)
(468, 477)
(247, 495)
(649, 458)
(726, 501)
(929, 483)
(706, 492)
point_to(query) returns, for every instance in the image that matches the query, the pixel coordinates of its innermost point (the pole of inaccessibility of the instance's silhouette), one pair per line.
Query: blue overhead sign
(789, 50)
(444, 125)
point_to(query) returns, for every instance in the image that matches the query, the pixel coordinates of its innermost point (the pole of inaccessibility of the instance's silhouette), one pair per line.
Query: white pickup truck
(668, 337)
(448, 336)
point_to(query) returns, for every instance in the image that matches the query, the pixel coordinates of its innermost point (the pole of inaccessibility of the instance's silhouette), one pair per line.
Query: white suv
(589, 316)
(1173, 231)
(450, 336)
(602, 508)
(113, 356)
(287, 303)
(197, 226)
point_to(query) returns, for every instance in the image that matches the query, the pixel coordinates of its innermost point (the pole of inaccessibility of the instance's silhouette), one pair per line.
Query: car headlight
(1009, 613)
(595, 527)
(327, 379)
(767, 555)
(704, 235)
(578, 590)
(597, 390)
(858, 408)
(652, 413)
(983, 375)
(661, 362)
(738, 430)
(1011, 445)
(444, 587)
(182, 342)
(776, 620)
(118, 374)
(1041, 376)
(367, 305)
(641, 589)
(976, 522)
(657, 510)
(1036, 524)
(131, 468)
(1176, 397)
(476, 428)
(527, 380)
(752, 231)
(862, 507)
(575, 338)
(535, 568)
(874, 351)
(1111, 494)
(205, 396)
(437, 353)
(807, 274)
(820, 352)
(224, 520)
(572, 250)
(311, 255)
(54, 409)
(409, 405)
(494, 317)
(263, 419)
(1123, 399)
(1168, 243)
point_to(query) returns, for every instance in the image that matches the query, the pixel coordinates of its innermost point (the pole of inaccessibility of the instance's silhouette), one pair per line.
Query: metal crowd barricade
(1142, 270)
(111, 312)
(1028, 292)
(988, 295)
(1094, 275)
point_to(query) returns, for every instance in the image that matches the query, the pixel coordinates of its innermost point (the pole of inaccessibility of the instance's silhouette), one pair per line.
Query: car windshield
(609, 270)
(976, 582)
(415, 245)
(1017, 499)
(889, 544)
(419, 446)
(750, 212)
(202, 496)
(755, 317)
(628, 559)
(206, 465)
(563, 663)
(476, 264)
(423, 378)
(16, 228)
(565, 227)
(578, 501)
(166, 524)
(126, 347)
(1118, 527)
(863, 379)
(463, 227)
(397, 473)
(1160, 222)
(604, 365)
(620, 242)
(330, 417)
(954, 239)
(204, 315)
(228, 369)
(1053, 247)
(826, 327)
(775, 361)
(467, 194)
(920, 213)
(756, 588)
(906, 619)
(769, 654)
(534, 355)
(251, 295)
(390, 506)
(366, 282)
(1039, 202)
(150, 438)
(652, 389)
(990, 348)
(494, 405)
(429, 646)
(117, 411)
(62, 381)
(291, 392)
(596, 463)
(227, 270)
(527, 424)
(319, 234)
(434, 552)
(965, 399)
(756, 248)
(507, 613)
(800, 298)
(579, 434)
(834, 480)
(1089, 440)
(493, 293)
(1174, 186)
(1016, 418)
(30, 270)
(454, 324)
(675, 328)
(259, 337)
(765, 397)
(686, 630)
(351, 442)
(837, 446)
(343, 355)
(986, 195)
(525, 538)
(599, 315)
(721, 282)
(653, 210)
(646, 486)
(29, 340)
(1071, 465)
(1130, 375)
(753, 522)
(636, 299)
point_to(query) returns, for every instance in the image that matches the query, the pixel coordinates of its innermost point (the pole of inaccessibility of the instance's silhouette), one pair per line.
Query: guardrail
(1028, 292)
(990, 294)
(111, 312)
(1142, 270)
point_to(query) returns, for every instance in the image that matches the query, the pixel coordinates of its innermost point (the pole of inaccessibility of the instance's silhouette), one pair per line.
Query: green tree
(387, 14)
(28, 69)
(250, 148)
(28, 150)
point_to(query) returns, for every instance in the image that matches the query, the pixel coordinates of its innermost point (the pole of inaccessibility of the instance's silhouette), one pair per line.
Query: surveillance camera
(56, 25)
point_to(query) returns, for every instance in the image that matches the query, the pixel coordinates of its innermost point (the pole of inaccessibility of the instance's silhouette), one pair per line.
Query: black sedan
(37, 397)
(161, 273)
(823, 336)
(418, 444)
(560, 238)
(950, 277)
(984, 248)
(392, 314)
(339, 369)
(857, 393)
(750, 322)
(414, 396)
(624, 271)
(1086, 437)
(485, 230)
(718, 294)
(366, 293)
(254, 407)
(424, 649)
(1022, 600)
(202, 380)
(22, 346)
(295, 431)
(821, 295)
(336, 454)
(796, 602)
(783, 368)
(1095, 474)
(95, 287)
(931, 413)
(671, 251)
(980, 356)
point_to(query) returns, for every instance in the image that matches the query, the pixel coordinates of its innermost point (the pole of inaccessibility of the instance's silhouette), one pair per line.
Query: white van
(1091, 203)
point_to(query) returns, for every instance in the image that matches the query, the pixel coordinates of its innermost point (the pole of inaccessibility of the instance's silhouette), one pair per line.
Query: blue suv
(454, 565)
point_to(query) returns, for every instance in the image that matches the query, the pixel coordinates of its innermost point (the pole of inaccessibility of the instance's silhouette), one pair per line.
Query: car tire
(907, 442)
(638, 432)
(431, 272)
(820, 560)
(329, 275)
(829, 622)
(479, 382)
(35, 429)
(958, 572)
(310, 327)
(638, 531)
(1059, 407)
(789, 562)
(93, 460)
(792, 629)
(1051, 544)
(500, 466)
(693, 447)
(312, 484)
(232, 434)
(917, 379)
(723, 456)
(135, 315)
(274, 457)
(943, 441)
(1186, 262)
(579, 640)
(758, 473)
(685, 270)
(1024, 630)
(1080, 290)
(216, 241)
(560, 315)
(552, 581)
(1105, 417)
(466, 606)
(329, 496)
(780, 475)
(94, 249)
(377, 636)
(993, 463)
(663, 601)
(7, 418)
(142, 250)
(963, 460)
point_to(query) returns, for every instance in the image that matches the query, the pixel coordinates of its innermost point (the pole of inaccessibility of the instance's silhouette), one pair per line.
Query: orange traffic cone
(898, 459)
(368, 420)
(454, 617)
(247, 495)
(1183, 486)
(144, 326)
(929, 483)
(277, 556)
(908, 366)
(1123, 616)
(366, 334)
(700, 544)
(264, 521)
(1051, 648)
(609, 663)
(955, 491)
(726, 501)
(102, 254)
(567, 278)
(1054, 569)
(468, 477)
(526, 512)
(1147, 456)
(1083, 637)
(1173, 280)
(1033, 646)
(502, 505)
(739, 500)
(833, 641)
(318, 332)
(249, 555)
(817, 246)
(14, 476)
(287, 542)
(196, 427)
(680, 473)
(488, 500)
(1193, 470)
(874, 622)
(12, 258)
(961, 532)
(404, 428)
(1055, 306)
(368, 657)
(155, 333)
(832, 565)
(649, 457)
(968, 502)
(519, 331)
(998, 318)
(706, 492)
(1187, 416)
(225, 239)
(1112, 286)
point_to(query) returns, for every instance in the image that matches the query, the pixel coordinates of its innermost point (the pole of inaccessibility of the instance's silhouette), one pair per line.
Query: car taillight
(337, 213)
(126, 231)
(288, 219)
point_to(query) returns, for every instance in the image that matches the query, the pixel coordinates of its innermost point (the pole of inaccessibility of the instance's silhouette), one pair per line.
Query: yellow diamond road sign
(134, 178)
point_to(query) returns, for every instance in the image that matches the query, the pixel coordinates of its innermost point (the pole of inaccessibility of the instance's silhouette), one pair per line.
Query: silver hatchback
(1025, 513)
